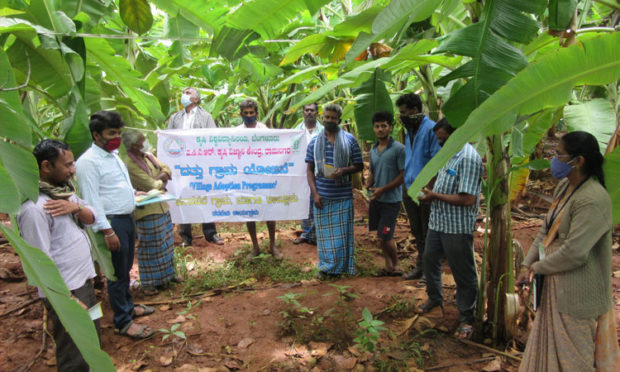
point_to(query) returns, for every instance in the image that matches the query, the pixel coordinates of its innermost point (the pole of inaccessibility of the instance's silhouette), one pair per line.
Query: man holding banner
(312, 127)
(194, 116)
(249, 112)
(332, 157)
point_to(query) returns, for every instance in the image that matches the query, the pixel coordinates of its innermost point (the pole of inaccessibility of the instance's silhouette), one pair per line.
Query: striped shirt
(462, 174)
(327, 187)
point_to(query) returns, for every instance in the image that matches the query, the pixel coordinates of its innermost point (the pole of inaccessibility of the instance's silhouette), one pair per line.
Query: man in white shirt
(312, 127)
(249, 112)
(105, 185)
(194, 116)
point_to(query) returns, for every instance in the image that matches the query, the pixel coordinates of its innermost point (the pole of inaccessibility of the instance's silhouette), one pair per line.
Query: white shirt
(259, 125)
(310, 133)
(105, 184)
(189, 117)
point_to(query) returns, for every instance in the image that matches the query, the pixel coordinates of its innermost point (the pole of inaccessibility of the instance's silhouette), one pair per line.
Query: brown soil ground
(239, 328)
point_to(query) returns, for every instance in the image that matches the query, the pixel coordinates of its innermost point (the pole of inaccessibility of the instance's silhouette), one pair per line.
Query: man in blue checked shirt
(454, 206)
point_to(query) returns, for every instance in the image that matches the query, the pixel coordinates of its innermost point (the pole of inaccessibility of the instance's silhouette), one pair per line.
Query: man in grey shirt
(190, 117)
(55, 223)
(385, 179)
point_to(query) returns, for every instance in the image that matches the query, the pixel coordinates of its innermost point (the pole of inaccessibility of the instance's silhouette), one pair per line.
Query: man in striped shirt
(454, 207)
(332, 157)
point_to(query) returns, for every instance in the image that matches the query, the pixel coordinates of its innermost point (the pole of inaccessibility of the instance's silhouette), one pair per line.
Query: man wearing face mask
(190, 117)
(332, 157)
(249, 113)
(105, 184)
(454, 206)
(153, 223)
(420, 146)
(312, 127)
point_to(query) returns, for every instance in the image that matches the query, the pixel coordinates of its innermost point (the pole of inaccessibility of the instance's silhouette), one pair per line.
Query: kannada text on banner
(235, 174)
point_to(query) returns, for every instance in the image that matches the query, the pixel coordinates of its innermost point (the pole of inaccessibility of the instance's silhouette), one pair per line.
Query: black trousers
(208, 229)
(68, 356)
(418, 221)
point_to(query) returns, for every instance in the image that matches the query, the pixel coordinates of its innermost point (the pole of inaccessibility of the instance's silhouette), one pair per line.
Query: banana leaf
(546, 83)
(494, 59)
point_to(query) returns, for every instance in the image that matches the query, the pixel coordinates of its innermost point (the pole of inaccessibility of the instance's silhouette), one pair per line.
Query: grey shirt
(387, 165)
(60, 238)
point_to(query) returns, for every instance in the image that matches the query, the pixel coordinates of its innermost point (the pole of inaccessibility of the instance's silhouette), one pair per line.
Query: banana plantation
(506, 74)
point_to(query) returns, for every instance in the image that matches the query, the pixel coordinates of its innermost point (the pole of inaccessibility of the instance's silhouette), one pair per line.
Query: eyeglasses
(557, 154)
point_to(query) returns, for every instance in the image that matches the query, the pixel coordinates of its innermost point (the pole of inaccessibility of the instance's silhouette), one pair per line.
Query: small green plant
(293, 314)
(181, 259)
(343, 292)
(399, 307)
(172, 332)
(240, 269)
(189, 307)
(365, 261)
(368, 332)
(335, 325)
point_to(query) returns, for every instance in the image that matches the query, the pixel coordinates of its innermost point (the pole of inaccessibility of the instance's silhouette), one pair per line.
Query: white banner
(236, 174)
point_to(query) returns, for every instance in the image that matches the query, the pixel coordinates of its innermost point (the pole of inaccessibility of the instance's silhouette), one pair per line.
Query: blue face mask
(560, 169)
(249, 120)
(186, 100)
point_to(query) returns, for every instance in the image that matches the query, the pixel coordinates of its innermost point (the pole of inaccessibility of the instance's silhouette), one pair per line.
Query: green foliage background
(489, 66)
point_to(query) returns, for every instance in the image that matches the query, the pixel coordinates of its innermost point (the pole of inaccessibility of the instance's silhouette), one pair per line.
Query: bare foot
(255, 253)
(276, 253)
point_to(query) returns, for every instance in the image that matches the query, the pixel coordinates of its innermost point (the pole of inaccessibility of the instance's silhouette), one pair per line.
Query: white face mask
(146, 146)
(186, 100)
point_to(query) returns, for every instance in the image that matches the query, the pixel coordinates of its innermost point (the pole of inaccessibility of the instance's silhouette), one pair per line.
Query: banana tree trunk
(501, 276)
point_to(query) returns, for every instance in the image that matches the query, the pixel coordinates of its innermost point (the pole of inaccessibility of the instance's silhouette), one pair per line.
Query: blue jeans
(118, 291)
(307, 225)
(459, 251)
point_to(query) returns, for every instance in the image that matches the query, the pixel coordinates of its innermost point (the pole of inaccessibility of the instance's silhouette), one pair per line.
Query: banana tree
(18, 181)
(546, 83)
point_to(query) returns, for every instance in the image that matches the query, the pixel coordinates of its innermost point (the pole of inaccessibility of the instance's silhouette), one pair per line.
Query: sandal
(464, 331)
(143, 333)
(300, 240)
(150, 291)
(146, 310)
(387, 272)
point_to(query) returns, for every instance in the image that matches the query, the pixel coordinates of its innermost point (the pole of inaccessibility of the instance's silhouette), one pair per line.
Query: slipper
(386, 272)
(150, 291)
(464, 331)
(427, 307)
(146, 310)
(300, 240)
(144, 332)
(383, 272)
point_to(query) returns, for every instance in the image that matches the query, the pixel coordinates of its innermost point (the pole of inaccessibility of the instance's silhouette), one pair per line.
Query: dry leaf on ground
(178, 319)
